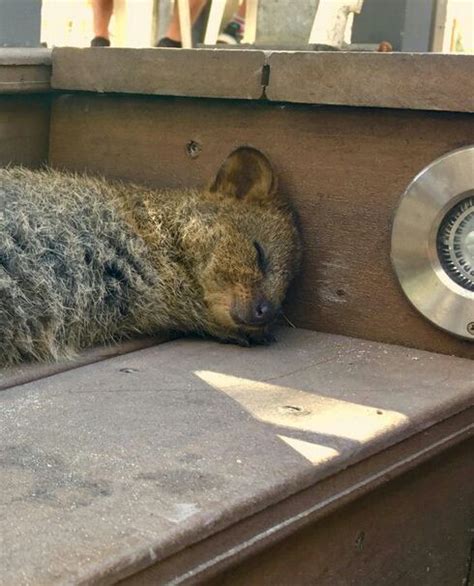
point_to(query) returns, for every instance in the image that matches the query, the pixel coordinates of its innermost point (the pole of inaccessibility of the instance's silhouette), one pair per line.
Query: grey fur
(84, 262)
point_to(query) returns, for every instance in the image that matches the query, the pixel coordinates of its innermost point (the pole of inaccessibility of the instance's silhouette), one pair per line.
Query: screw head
(193, 149)
(360, 539)
(470, 328)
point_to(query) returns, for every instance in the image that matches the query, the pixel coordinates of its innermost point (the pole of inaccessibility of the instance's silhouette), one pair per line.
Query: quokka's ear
(246, 174)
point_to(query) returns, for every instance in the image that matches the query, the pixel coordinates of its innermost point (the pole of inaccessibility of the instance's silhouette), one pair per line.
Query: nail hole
(193, 149)
(359, 541)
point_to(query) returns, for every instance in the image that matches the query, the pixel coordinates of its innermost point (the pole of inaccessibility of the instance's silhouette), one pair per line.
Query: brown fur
(84, 261)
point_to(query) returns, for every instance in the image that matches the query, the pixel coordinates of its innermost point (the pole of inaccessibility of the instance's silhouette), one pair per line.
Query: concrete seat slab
(111, 467)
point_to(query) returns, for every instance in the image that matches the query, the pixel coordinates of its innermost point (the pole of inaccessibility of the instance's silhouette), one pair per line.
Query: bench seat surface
(112, 466)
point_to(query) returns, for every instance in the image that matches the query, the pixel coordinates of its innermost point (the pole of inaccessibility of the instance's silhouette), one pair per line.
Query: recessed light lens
(455, 243)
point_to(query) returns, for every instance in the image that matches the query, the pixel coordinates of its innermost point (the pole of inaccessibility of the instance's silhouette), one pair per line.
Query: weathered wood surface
(388, 80)
(24, 125)
(25, 71)
(24, 373)
(412, 532)
(129, 462)
(171, 72)
(24, 56)
(392, 80)
(344, 168)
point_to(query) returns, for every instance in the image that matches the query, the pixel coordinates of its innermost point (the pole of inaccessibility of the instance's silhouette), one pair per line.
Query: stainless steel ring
(432, 242)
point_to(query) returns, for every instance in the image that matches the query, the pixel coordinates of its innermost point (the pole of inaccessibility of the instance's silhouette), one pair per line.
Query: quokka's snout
(259, 313)
(84, 261)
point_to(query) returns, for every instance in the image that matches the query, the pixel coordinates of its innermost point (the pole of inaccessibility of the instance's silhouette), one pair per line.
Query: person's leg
(102, 13)
(172, 36)
(241, 11)
(234, 30)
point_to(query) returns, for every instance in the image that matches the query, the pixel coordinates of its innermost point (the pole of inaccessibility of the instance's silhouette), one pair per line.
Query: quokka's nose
(258, 313)
(263, 312)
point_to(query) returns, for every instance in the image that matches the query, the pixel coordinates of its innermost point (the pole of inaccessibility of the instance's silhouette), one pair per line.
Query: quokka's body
(84, 261)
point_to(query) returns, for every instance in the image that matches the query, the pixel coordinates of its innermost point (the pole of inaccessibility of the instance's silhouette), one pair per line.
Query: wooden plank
(185, 23)
(24, 129)
(251, 13)
(197, 72)
(345, 170)
(25, 71)
(439, 25)
(389, 80)
(351, 538)
(23, 56)
(192, 443)
(214, 21)
(25, 373)
(24, 79)
(386, 80)
(404, 533)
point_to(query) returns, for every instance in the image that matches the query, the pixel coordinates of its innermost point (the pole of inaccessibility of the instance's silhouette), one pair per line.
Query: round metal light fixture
(433, 242)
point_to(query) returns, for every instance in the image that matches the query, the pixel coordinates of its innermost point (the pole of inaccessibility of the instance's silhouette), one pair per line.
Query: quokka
(85, 261)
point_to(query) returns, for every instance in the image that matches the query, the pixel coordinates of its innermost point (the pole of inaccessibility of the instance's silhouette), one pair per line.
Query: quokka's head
(252, 249)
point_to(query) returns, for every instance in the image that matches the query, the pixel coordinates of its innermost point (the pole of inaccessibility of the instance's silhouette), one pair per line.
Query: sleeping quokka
(85, 262)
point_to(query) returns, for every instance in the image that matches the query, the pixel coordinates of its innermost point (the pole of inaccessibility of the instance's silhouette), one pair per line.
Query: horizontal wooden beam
(25, 71)
(424, 81)
(208, 73)
(370, 79)
(386, 80)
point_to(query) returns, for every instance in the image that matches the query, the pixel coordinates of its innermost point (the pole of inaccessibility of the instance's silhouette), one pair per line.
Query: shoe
(100, 42)
(169, 43)
(231, 35)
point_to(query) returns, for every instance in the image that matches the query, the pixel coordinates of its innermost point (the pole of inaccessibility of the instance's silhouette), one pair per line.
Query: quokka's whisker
(291, 324)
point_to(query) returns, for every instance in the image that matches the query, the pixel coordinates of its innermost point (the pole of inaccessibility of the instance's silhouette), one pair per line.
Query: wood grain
(390, 80)
(192, 421)
(404, 533)
(22, 374)
(379, 520)
(196, 72)
(25, 70)
(344, 168)
(24, 129)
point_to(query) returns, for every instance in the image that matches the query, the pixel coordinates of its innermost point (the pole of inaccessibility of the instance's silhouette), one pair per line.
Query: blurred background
(408, 25)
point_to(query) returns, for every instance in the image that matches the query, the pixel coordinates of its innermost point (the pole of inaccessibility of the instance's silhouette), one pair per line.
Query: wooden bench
(324, 456)
(322, 459)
